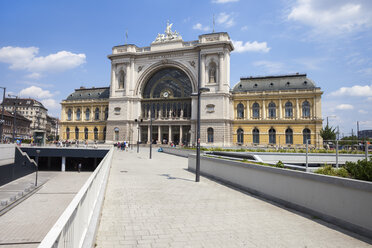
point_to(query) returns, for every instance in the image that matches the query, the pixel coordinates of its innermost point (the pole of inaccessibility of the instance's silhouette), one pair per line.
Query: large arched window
(67, 133)
(76, 133)
(256, 136)
(272, 136)
(69, 114)
(116, 134)
(78, 114)
(87, 114)
(305, 109)
(212, 71)
(272, 110)
(210, 135)
(95, 133)
(106, 113)
(256, 110)
(121, 79)
(240, 136)
(306, 133)
(288, 109)
(86, 133)
(240, 111)
(96, 114)
(289, 136)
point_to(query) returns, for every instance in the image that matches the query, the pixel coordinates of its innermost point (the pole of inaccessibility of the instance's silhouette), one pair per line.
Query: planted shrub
(279, 164)
(330, 171)
(361, 170)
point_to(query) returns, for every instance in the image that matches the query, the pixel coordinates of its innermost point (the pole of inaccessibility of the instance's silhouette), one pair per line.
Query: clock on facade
(165, 94)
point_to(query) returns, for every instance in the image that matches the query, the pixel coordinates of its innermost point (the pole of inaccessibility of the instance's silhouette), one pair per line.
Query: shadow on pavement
(170, 177)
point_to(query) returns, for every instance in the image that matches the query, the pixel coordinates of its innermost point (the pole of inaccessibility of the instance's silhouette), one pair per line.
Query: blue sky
(49, 48)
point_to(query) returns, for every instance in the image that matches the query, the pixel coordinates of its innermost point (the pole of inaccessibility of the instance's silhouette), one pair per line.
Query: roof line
(275, 76)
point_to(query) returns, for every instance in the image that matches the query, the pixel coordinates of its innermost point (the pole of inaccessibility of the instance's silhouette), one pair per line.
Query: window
(87, 114)
(95, 133)
(240, 111)
(256, 110)
(212, 72)
(306, 109)
(67, 133)
(78, 114)
(96, 114)
(210, 108)
(86, 133)
(272, 136)
(288, 109)
(272, 110)
(76, 133)
(117, 111)
(256, 136)
(69, 114)
(240, 136)
(104, 133)
(116, 130)
(106, 113)
(210, 135)
(306, 133)
(288, 136)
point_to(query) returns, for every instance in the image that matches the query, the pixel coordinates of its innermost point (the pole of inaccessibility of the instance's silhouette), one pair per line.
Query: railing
(71, 228)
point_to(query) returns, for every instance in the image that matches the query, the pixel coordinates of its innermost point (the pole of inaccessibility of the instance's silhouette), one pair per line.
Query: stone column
(263, 109)
(314, 109)
(181, 134)
(159, 135)
(131, 76)
(126, 79)
(202, 70)
(63, 165)
(220, 71)
(247, 114)
(297, 110)
(170, 135)
(280, 108)
(148, 134)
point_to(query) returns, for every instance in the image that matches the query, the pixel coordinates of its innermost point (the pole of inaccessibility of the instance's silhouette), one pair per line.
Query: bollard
(307, 155)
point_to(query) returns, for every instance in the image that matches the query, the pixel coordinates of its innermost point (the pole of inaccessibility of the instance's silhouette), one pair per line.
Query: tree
(328, 133)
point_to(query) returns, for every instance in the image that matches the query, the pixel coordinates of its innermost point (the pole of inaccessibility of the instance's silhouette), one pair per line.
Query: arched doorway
(166, 98)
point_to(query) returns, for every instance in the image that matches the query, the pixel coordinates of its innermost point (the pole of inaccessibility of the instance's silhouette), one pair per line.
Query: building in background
(365, 134)
(84, 114)
(277, 111)
(22, 130)
(52, 128)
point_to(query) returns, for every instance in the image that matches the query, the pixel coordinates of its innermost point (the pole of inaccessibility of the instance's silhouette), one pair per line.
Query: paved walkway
(27, 223)
(156, 203)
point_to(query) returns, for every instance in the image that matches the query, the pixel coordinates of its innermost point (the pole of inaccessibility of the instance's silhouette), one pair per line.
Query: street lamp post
(151, 106)
(138, 132)
(37, 165)
(2, 116)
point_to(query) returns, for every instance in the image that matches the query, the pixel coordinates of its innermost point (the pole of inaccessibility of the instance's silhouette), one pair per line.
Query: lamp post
(138, 131)
(151, 106)
(14, 116)
(37, 165)
(2, 116)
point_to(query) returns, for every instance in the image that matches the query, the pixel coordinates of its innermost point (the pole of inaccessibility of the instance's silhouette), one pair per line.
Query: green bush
(361, 170)
(330, 171)
(279, 164)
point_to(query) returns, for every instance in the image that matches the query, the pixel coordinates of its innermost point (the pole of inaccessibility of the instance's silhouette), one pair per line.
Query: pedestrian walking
(79, 167)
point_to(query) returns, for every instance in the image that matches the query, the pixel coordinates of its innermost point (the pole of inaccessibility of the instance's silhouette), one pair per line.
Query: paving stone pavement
(156, 203)
(27, 223)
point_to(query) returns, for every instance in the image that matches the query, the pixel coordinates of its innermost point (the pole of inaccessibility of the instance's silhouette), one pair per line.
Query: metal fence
(71, 228)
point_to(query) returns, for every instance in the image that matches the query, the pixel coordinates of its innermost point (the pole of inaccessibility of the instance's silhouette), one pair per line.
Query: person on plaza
(123, 146)
(79, 167)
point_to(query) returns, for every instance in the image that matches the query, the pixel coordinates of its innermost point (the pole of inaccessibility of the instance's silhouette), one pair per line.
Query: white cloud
(345, 107)
(50, 104)
(269, 66)
(224, 1)
(254, 46)
(34, 75)
(199, 26)
(24, 58)
(356, 90)
(333, 17)
(35, 92)
(362, 111)
(225, 19)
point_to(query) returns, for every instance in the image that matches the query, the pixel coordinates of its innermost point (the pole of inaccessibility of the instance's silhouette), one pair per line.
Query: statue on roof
(169, 35)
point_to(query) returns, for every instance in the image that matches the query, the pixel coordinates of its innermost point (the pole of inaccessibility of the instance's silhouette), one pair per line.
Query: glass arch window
(96, 114)
(240, 136)
(95, 133)
(289, 136)
(306, 134)
(272, 136)
(86, 133)
(256, 110)
(272, 110)
(288, 109)
(87, 114)
(210, 135)
(240, 111)
(171, 80)
(78, 114)
(76, 133)
(69, 114)
(306, 109)
(67, 133)
(256, 136)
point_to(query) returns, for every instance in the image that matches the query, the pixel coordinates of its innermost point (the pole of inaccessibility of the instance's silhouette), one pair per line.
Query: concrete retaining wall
(7, 153)
(178, 151)
(344, 202)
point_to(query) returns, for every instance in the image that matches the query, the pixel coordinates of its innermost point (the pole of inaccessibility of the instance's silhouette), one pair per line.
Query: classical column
(148, 134)
(202, 70)
(263, 109)
(170, 134)
(63, 165)
(280, 108)
(220, 71)
(247, 115)
(131, 76)
(181, 134)
(314, 108)
(159, 135)
(297, 110)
